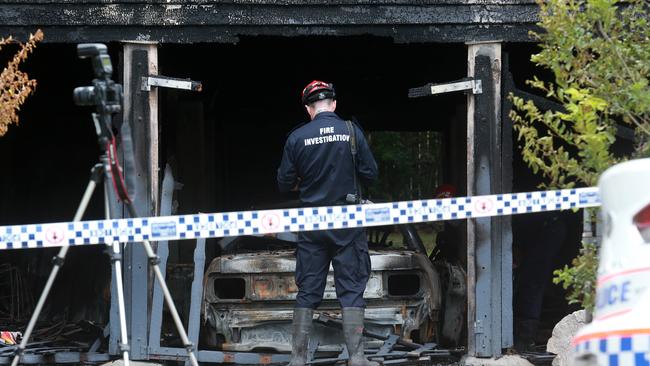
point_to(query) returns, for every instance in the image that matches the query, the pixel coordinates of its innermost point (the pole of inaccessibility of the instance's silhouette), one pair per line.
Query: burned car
(249, 293)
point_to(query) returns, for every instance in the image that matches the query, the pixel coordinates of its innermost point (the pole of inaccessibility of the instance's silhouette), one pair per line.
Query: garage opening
(225, 144)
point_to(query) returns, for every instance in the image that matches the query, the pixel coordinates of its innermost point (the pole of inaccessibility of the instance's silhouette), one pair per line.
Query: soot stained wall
(191, 21)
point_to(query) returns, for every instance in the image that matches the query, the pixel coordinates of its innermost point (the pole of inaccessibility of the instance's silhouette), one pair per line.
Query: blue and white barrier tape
(629, 348)
(215, 225)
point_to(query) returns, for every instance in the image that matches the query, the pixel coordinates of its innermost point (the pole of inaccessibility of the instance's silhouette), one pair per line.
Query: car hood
(285, 261)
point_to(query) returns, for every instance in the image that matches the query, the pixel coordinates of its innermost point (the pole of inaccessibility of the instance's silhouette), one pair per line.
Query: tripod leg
(58, 262)
(117, 267)
(115, 259)
(153, 263)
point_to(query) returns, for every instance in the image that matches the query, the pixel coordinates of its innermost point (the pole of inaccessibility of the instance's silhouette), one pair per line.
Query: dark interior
(45, 167)
(230, 288)
(403, 284)
(251, 101)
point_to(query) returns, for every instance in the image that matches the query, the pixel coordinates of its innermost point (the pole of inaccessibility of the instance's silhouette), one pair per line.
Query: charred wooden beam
(272, 2)
(227, 21)
(233, 34)
(130, 14)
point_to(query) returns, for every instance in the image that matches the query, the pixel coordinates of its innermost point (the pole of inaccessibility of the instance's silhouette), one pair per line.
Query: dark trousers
(536, 269)
(351, 264)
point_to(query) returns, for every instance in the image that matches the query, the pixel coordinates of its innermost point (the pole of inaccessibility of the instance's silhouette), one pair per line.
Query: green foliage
(409, 164)
(581, 128)
(580, 278)
(601, 46)
(599, 54)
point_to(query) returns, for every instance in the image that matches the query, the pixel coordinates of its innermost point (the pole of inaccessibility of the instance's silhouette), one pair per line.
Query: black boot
(353, 332)
(302, 318)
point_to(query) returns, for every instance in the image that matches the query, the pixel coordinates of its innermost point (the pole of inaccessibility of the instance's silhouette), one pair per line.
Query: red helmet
(445, 191)
(317, 90)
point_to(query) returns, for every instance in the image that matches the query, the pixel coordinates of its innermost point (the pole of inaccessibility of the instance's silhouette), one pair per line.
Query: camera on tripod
(107, 97)
(104, 94)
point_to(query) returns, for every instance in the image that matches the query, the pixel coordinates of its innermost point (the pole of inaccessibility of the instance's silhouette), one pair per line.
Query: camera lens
(84, 95)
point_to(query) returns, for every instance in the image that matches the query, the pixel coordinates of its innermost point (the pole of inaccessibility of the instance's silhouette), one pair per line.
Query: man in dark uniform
(541, 237)
(317, 161)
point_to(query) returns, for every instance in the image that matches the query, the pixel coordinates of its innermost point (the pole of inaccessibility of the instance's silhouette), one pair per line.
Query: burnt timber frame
(228, 21)
(141, 112)
(489, 240)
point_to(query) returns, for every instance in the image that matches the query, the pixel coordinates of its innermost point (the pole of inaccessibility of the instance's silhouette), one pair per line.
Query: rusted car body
(249, 298)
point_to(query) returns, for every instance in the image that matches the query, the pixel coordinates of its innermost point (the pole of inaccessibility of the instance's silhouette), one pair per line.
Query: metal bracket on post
(467, 84)
(167, 82)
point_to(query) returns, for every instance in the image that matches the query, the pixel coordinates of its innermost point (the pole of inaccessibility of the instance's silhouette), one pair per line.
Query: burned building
(223, 144)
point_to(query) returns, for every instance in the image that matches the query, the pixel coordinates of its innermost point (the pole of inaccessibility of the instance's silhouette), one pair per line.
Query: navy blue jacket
(319, 154)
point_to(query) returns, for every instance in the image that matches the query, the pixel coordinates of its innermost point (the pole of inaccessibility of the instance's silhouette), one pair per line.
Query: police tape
(216, 225)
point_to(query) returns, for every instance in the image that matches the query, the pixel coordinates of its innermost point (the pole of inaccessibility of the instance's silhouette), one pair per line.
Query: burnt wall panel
(305, 3)
(233, 34)
(204, 21)
(235, 14)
